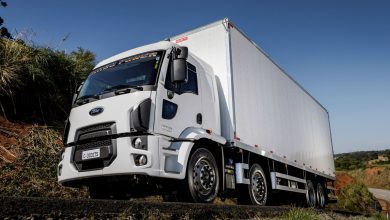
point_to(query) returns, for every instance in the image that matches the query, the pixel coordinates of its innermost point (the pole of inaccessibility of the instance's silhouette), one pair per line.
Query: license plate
(90, 154)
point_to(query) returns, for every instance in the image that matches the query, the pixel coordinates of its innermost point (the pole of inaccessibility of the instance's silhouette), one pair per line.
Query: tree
(3, 30)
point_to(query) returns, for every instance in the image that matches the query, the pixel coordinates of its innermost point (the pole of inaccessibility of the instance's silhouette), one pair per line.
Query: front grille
(94, 144)
(98, 128)
(94, 137)
(103, 126)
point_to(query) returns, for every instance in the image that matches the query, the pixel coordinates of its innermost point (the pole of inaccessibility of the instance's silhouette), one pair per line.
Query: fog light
(138, 143)
(140, 160)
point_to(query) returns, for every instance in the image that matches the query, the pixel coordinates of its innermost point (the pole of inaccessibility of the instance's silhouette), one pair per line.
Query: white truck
(203, 113)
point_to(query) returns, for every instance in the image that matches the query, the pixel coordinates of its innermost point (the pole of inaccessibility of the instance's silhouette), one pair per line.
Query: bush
(37, 84)
(355, 197)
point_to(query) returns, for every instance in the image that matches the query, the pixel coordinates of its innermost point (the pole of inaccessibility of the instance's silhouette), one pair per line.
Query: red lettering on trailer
(181, 39)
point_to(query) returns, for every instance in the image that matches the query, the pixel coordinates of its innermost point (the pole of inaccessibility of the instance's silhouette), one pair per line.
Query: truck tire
(321, 199)
(256, 193)
(203, 176)
(311, 198)
(258, 190)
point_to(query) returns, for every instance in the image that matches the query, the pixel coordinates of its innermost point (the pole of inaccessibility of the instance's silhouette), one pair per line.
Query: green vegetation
(355, 197)
(301, 214)
(35, 173)
(358, 160)
(36, 83)
(36, 86)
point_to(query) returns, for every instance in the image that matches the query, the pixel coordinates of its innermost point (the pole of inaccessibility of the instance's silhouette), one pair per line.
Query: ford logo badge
(96, 111)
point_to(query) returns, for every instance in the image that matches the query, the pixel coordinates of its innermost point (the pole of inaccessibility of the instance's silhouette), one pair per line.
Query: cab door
(182, 110)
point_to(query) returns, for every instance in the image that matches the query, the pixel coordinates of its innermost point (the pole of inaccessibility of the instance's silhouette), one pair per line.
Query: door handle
(199, 118)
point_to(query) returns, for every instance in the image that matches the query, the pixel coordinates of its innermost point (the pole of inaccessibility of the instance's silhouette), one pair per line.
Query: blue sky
(339, 50)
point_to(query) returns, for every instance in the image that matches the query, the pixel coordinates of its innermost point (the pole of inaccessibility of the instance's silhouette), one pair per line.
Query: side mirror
(179, 71)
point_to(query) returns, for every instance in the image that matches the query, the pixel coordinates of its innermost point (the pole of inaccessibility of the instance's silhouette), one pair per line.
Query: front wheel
(203, 176)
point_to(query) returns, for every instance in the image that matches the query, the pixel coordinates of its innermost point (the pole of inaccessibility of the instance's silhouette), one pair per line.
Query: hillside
(360, 159)
(28, 160)
(364, 167)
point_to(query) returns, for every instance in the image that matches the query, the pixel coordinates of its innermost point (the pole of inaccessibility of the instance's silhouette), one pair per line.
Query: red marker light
(235, 137)
(181, 39)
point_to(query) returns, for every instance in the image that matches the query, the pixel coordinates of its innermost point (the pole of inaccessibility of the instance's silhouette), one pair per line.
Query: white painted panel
(270, 109)
(274, 112)
(211, 45)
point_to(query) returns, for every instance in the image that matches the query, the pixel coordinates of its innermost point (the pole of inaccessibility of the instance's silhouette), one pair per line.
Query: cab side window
(191, 86)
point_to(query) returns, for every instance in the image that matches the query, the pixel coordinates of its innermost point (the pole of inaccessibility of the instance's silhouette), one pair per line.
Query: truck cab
(136, 114)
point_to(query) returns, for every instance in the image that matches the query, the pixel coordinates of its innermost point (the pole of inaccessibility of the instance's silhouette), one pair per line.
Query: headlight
(140, 116)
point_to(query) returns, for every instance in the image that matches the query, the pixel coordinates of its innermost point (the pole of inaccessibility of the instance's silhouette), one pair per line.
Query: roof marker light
(181, 39)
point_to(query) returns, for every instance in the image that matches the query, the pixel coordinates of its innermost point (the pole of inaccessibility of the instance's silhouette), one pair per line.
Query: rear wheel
(321, 200)
(256, 193)
(203, 176)
(311, 197)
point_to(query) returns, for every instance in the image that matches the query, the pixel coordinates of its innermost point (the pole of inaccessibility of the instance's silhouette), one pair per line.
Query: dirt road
(55, 208)
(14, 207)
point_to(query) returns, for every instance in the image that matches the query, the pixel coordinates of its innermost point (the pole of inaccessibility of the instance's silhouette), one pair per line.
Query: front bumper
(123, 162)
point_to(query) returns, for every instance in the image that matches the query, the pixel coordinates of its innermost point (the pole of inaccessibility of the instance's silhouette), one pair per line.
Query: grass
(13, 57)
(301, 214)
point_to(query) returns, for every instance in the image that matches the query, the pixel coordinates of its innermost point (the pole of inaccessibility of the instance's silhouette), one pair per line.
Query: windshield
(130, 72)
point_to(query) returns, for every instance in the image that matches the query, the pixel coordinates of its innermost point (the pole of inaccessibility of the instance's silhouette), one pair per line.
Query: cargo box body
(262, 107)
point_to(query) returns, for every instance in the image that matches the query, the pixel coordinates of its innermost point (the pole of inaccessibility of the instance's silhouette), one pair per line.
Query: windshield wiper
(121, 89)
(86, 99)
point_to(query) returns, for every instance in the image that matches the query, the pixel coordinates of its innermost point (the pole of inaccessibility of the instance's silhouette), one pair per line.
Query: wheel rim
(258, 187)
(204, 177)
(320, 196)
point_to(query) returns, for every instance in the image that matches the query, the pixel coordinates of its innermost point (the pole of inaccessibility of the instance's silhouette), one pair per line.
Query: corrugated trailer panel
(211, 44)
(274, 112)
